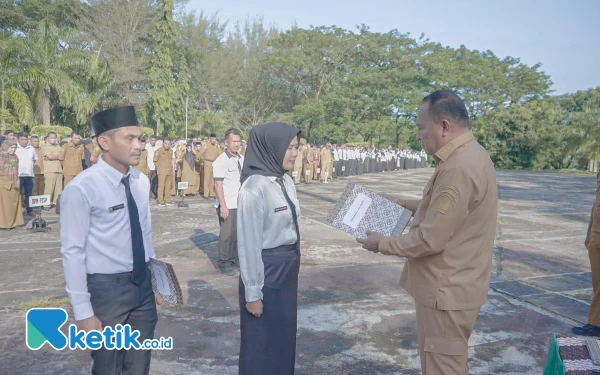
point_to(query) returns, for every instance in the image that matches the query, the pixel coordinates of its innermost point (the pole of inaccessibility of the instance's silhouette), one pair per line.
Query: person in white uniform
(106, 240)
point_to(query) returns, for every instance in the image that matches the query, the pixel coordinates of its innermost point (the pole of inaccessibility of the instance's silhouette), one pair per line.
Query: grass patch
(43, 302)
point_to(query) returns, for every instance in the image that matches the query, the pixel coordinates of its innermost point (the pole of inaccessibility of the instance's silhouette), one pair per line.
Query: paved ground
(353, 316)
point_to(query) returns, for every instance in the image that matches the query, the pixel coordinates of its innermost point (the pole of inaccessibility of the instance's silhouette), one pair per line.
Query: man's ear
(445, 127)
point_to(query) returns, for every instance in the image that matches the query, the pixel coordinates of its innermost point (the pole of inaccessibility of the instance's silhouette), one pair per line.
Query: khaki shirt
(163, 160)
(143, 166)
(72, 156)
(94, 150)
(325, 155)
(450, 244)
(52, 166)
(38, 167)
(210, 152)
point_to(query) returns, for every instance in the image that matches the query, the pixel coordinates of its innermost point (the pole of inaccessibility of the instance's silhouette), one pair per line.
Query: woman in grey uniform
(269, 252)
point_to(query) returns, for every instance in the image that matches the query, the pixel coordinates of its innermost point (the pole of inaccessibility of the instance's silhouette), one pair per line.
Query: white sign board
(294, 174)
(39, 201)
(182, 185)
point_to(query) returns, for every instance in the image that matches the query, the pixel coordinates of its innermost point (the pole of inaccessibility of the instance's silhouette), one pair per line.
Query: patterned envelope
(359, 210)
(164, 282)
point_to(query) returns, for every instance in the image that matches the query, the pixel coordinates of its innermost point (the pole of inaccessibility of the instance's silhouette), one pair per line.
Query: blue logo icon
(43, 325)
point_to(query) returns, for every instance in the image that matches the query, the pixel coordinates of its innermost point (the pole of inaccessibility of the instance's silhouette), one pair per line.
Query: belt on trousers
(115, 277)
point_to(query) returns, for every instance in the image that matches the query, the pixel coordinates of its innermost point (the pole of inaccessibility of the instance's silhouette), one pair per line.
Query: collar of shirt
(445, 152)
(113, 175)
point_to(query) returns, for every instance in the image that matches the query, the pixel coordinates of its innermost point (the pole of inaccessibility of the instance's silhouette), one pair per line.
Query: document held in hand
(360, 210)
(164, 282)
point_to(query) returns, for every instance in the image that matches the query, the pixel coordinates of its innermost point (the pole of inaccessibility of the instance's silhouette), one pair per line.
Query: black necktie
(137, 241)
(293, 208)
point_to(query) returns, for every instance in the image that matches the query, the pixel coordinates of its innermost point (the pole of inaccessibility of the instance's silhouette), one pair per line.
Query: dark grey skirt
(268, 343)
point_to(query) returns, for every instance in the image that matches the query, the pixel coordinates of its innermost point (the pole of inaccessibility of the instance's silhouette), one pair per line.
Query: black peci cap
(114, 118)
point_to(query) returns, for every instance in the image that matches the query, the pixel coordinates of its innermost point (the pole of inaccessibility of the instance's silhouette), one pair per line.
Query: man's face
(166, 144)
(197, 148)
(35, 142)
(233, 143)
(429, 133)
(23, 141)
(152, 141)
(76, 138)
(52, 139)
(213, 140)
(143, 144)
(10, 137)
(124, 145)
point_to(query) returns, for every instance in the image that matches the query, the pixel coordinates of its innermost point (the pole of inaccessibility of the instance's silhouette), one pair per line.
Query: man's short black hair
(9, 132)
(143, 139)
(198, 144)
(75, 133)
(447, 104)
(52, 133)
(233, 131)
(22, 134)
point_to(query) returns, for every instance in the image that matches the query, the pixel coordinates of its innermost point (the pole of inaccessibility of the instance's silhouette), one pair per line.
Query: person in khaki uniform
(38, 167)
(297, 173)
(316, 165)
(94, 150)
(163, 159)
(450, 244)
(199, 167)
(592, 243)
(143, 166)
(309, 160)
(187, 165)
(53, 176)
(210, 153)
(326, 163)
(72, 155)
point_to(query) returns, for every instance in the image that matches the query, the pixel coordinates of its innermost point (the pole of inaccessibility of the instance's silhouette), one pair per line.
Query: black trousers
(153, 177)
(268, 343)
(116, 300)
(228, 253)
(26, 186)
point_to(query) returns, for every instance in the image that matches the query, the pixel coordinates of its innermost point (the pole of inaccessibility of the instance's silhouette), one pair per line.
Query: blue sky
(562, 35)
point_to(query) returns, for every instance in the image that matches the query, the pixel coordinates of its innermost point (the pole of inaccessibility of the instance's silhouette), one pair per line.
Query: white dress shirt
(228, 169)
(336, 155)
(264, 221)
(95, 239)
(27, 158)
(151, 150)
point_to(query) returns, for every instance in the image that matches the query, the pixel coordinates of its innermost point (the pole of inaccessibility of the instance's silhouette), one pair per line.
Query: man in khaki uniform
(297, 173)
(72, 155)
(309, 158)
(316, 165)
(199, 166)
(209, 154)
(592, 243)
(165, 168)
(143, 166)
(53, 176)
(38, 167)
(326, 162)
(94, 150)
(450, 244)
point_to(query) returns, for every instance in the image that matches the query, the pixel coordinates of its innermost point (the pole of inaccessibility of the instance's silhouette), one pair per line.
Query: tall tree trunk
(157, 125)
(43, 106)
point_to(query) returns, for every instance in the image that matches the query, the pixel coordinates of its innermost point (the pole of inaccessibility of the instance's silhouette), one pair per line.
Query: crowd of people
(45, 165)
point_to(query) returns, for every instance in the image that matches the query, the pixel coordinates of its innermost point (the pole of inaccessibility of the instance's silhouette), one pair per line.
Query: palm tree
(12, 94)
(47, 64)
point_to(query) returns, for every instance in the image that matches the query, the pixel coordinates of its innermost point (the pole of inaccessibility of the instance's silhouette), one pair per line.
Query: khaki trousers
(307, 172)
(38, 185)
(298, 175)
(594, 253)
(165, 184)
(315, 170)
(53, 185)
(68, 179)
(209, 181)
(444, 339)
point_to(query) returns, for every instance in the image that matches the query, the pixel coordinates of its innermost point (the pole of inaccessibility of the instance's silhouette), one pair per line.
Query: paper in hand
(164, 282)
(359, 210)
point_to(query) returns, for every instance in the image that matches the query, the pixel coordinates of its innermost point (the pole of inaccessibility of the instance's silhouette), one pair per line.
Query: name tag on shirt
(117, 207)
(281, 209)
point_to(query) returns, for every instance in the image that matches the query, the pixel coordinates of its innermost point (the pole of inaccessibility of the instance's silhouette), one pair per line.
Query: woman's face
(290, 155)
(188, 148)
(12, 149)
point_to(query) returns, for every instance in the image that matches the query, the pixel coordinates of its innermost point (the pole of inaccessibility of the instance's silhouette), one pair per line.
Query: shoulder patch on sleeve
(447, 199)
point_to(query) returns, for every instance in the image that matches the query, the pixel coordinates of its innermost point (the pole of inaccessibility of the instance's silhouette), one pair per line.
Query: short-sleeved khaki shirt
(72, 156)
(52, 166)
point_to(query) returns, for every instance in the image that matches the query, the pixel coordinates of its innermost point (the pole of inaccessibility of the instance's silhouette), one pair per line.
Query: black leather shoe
(587, 330)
